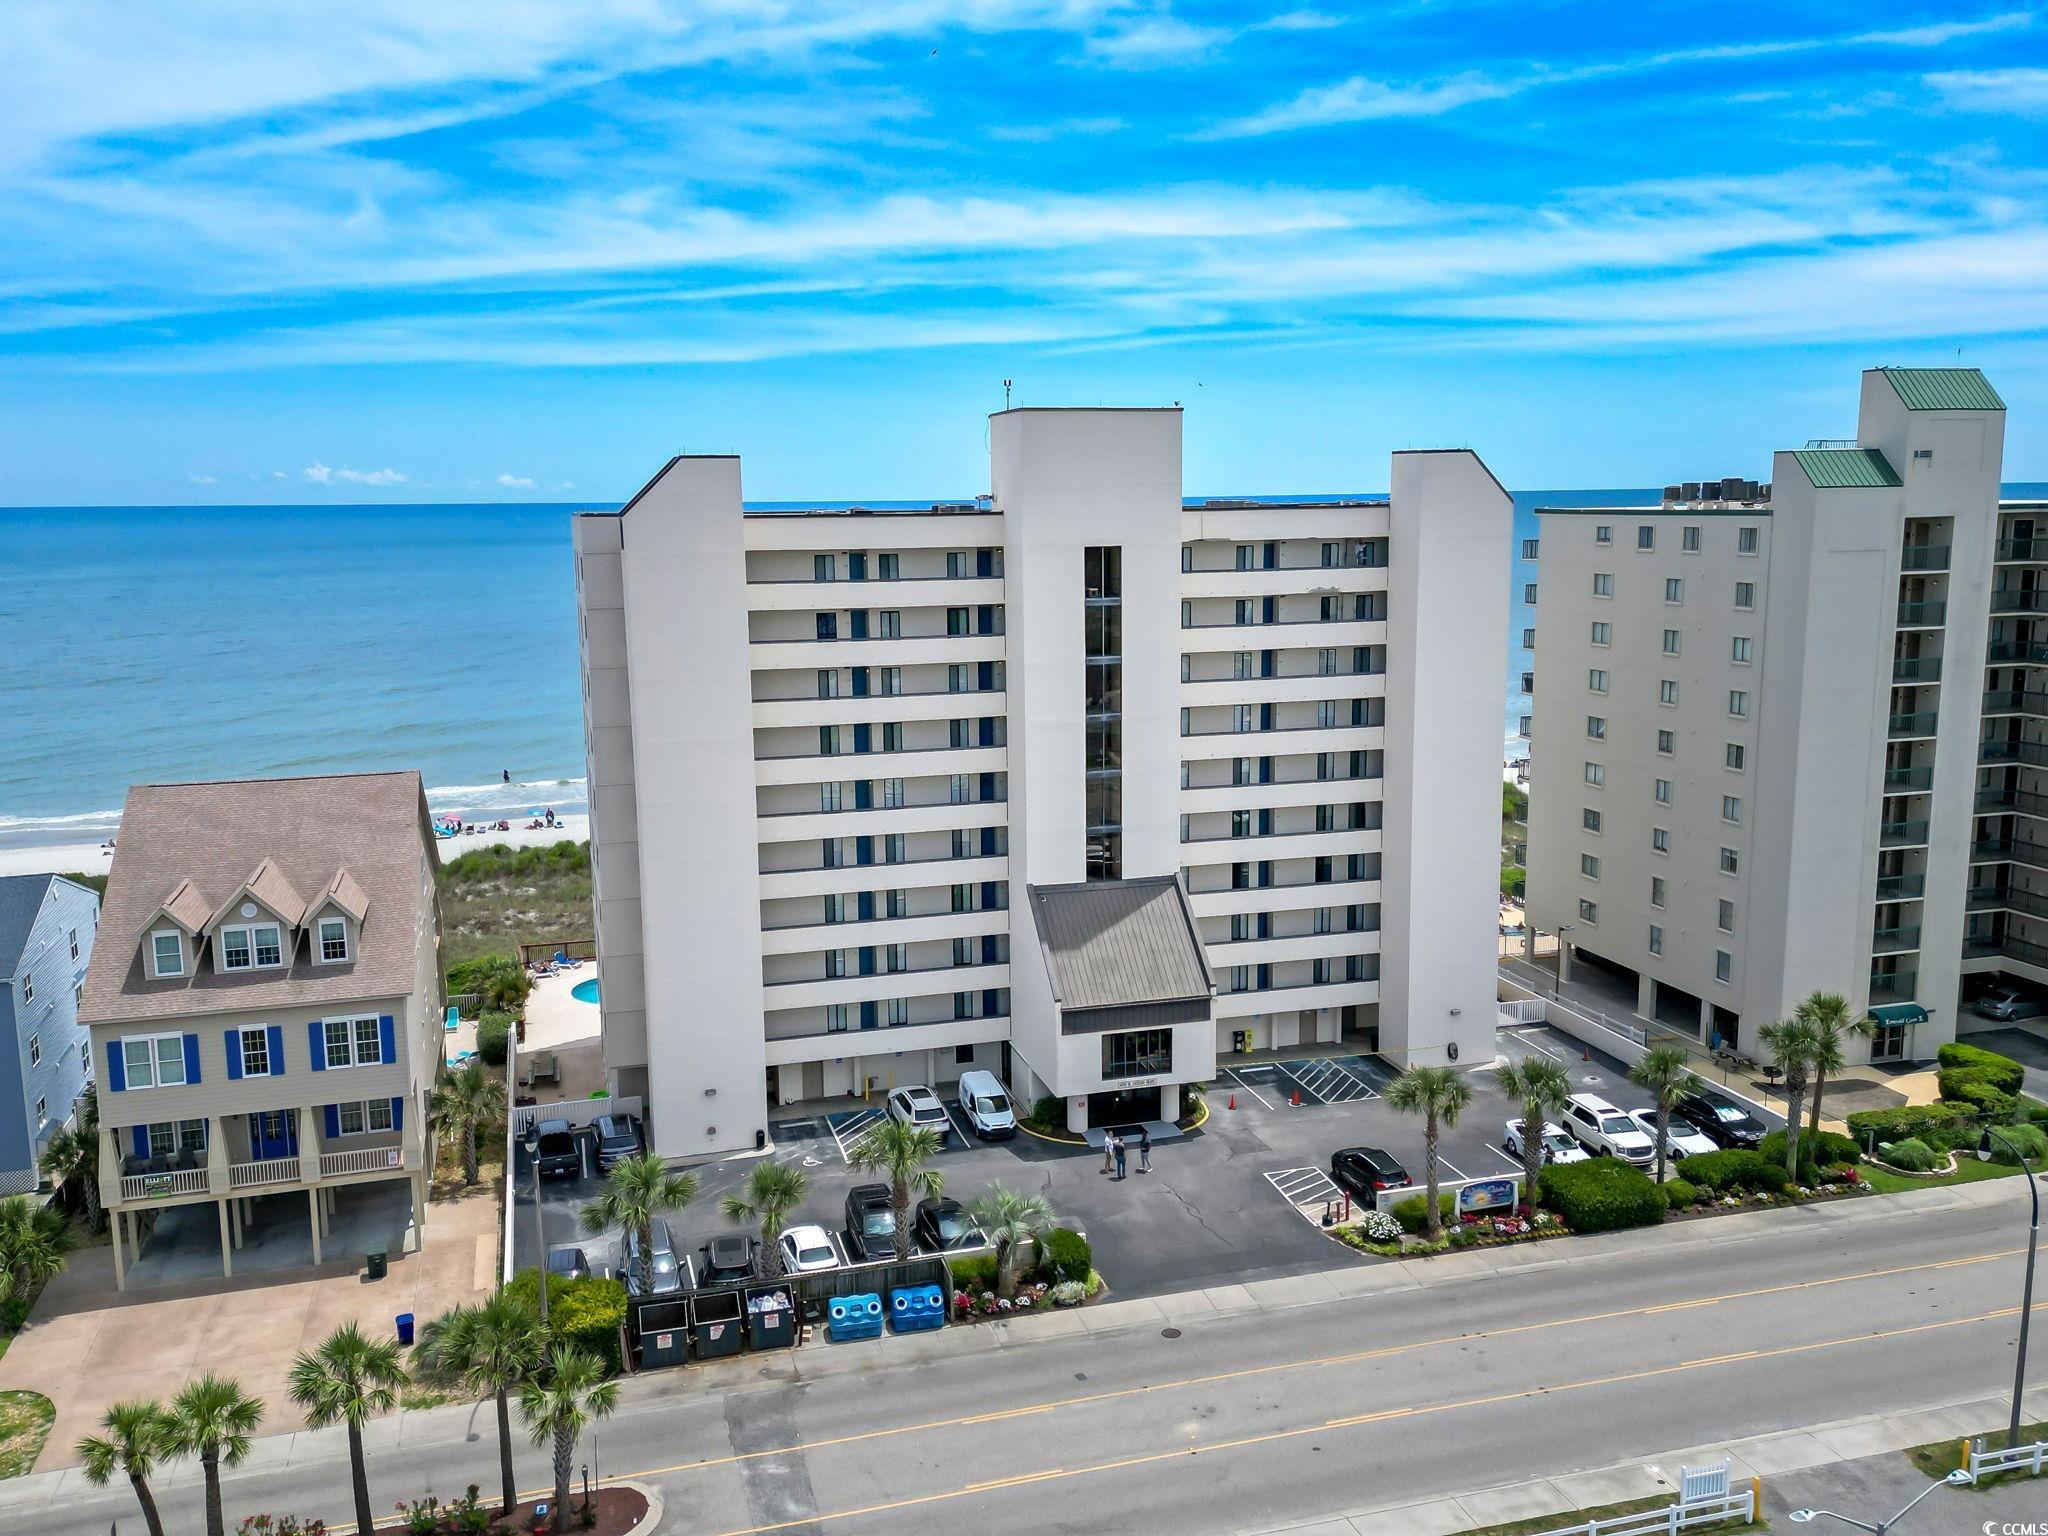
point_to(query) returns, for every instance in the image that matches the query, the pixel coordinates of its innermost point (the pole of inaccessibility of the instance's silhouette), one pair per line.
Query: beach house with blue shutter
(265, 1009)
(46, 931)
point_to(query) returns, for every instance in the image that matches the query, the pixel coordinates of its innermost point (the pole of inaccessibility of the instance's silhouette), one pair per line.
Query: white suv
(919, 1107)
(1605, 1131)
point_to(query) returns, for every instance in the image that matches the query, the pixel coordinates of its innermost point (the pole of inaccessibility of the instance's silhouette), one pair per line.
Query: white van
(986, 1106)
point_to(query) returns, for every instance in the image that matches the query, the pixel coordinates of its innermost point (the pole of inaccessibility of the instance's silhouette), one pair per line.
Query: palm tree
(136, 1435)
(347, 1380)
(900, 1152)
(1792, 1045)
(33, 1241)
(636, 1191)
(495, 1347)
(74, 1153)
(1542, 1088)
(1666, 1070)
(1010, 1220)
(773, 1191)
(1831, 1018)
(214, 1420)
(1439, 1095)
(568, 1395)
(467, 1098)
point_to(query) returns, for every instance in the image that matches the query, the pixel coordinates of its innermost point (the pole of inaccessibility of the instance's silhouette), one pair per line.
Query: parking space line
(1456, 1171)
(848, 1136)
(1496, 1151)
(1535, 1046)
(960, 1126)
(1248, 1088)
(1303, 1189)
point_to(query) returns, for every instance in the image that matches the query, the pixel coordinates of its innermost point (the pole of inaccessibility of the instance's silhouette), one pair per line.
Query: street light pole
(2019, 1373)
(540, 1231)
(1955, 1479)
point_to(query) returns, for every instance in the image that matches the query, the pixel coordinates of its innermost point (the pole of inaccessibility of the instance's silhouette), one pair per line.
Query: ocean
(164, 643)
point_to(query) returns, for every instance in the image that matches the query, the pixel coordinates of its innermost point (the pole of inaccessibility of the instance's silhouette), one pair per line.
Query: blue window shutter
(398, 1114)
(117, 1070)
(142, 1141)
(276, 1050)
(388, 1036)
(191, 1059)
(333, 1120)
(316, 1045)
(234, 1045)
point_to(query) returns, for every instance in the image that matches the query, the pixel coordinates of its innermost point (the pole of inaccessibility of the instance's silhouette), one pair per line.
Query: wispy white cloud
(515, 482)
(204, 479)
(317, 473)
(1301, 21)
(2021, 92)
(1155, 40)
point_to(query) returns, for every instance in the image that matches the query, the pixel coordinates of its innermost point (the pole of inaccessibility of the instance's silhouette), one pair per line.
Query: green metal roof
(1944, 389)
(1900, 1013)
(1836, 468)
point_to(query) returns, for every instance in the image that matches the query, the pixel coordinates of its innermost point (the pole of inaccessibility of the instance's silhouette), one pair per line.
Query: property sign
(1483, 1197)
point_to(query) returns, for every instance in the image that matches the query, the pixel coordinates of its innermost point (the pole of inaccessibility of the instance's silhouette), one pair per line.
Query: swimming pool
(585, 991)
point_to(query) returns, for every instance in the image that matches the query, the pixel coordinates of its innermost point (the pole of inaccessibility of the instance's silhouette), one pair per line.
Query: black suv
(1724, 1121)
(870, 1223)
(727, 1260)
(1365, 1171)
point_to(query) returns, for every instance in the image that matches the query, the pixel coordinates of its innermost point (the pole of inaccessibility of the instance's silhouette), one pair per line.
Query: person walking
(1119, 1159)
(1144, 1150)
(1109, 1149)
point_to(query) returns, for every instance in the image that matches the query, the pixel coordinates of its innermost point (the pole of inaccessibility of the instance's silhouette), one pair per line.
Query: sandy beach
(93, 859)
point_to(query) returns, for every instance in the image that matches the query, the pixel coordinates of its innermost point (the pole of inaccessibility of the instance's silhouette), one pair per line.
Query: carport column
(1528, 939)
(1646, 995)
(120, 1267)
(1564, 960)
(313, 1212)
(1169, 1102)
(1706, 1021)
(235, 1223)
(227, 1256)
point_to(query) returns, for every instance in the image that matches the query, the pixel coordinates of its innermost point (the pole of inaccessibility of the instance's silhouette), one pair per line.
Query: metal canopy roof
(1944, 389)
(1846, 468)
(1113, 943)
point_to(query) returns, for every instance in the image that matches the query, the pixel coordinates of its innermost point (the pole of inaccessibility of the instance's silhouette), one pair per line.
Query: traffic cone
(1295, 1102)
(1233, 1101)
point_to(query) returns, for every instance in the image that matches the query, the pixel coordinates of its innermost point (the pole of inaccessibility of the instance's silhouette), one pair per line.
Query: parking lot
(1240, 1198)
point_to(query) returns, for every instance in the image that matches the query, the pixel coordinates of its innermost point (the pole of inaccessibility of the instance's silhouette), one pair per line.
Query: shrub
(587, 1311)
(1412, 1212)
(1911, 1154)
(1828, 1149)
(1602, 1194)
(1063, 1254)
(1734, 1169)
(976, 1272)
(493, 1032)
(1966, 1085)
(1678, 1193)
(2002, 1072)
(499, 980)
(1048, 1114)
(1939, 1125)
(1070, 1293)
(2030, 1140)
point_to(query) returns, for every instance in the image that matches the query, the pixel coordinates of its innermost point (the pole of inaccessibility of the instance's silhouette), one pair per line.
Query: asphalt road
(1424, 1379)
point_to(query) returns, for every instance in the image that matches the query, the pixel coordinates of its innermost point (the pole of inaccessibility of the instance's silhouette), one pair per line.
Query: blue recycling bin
(404, 1321)
(915, 1308)
(854, 1317)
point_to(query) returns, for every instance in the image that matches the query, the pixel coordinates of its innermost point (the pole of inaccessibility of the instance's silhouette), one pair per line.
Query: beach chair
(454, 1021)
(565, 963)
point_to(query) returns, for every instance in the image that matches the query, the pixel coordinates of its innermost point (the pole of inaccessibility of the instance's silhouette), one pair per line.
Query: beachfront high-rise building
(1794, 737)
(1078, 782)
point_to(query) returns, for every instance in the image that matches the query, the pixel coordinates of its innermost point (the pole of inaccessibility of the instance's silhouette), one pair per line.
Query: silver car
(2007, 1003)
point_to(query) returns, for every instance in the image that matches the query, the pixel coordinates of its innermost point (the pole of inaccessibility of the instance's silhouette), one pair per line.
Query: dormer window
(333, 937)
(167, 952)
(253, 947)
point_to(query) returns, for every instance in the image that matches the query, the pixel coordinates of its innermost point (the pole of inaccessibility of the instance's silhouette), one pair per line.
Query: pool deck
(558, 1021)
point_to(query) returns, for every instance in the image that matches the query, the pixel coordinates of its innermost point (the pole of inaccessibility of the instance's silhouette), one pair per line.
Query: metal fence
(2030, 1459)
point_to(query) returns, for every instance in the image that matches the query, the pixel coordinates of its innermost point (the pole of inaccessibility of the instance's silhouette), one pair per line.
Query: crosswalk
(849, 1131)
(1331, 1082)
(1308, 1190)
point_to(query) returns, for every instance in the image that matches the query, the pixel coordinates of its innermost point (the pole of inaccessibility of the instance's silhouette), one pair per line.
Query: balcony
(2013, 752)
(1901, 887)
(2009, 850)
(1991, 802)
(1892, 941)
(904, 763)
(2016, 701)
(2016, 600)
(2007, 948)
(908, 874)
(335, 1165)
(1907, 727)
(2033, 653)
(1924, 557)
(1993, 898)
(2023, 551)
(1908, 781)
(1916, 669)
(171, 1185)
(269, 1170)
(1927, 615)
(1284, 581)
(1895, 987)
(1902, 834)
(905, 592)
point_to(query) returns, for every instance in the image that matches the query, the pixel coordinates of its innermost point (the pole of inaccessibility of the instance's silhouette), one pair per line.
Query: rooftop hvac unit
(1731, 488)
(1690, 491)
(1672, 493)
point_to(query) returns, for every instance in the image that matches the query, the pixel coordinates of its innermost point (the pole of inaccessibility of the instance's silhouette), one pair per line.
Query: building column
(1564, 960)
(1528, 938)
(1169, 1102)
(1077, 1114)
(1646, 995)
(120, 1268)
(1706, 1021)
(227, 1257)
(235, 1223)
(416, 1186)
(313, 1212)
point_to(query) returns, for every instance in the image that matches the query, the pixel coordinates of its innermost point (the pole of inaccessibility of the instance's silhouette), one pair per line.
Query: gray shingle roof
(21, 898)
(1111, 943)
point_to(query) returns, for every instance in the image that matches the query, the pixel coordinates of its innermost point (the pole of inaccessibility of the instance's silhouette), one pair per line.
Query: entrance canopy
(1899, 1013)
(1122, 954)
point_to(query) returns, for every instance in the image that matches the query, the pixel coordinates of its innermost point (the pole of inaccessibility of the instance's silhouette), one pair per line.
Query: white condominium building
(1794, 737)
(1077, 782)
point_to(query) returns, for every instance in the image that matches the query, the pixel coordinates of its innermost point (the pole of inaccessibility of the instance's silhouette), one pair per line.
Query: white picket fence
(1685, 1515)
(2028, 1458)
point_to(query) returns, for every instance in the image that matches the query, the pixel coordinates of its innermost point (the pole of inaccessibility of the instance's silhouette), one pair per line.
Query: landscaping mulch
(619, 1510)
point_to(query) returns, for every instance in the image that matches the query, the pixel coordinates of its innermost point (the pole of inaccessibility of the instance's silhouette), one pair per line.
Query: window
(1529, 547)
(256, 946)
(353, 1043)
(829, 796)
(1139, 1053)
(835, 908)
(42, 1110)
(1595, 775)
(893, 848)
(888, 564)
(892, 680)
(1596, 680)
(1240, 664)
(896, 957)
(1596, 728)
(1667, 692)
(892, 794)
(1589, 866)
(1646, 536)
(1725, 916)
(153, 1061)
(1656, 940)
(823, 568)
(1602, 632)
(1326, 662)
(168, 1136)
(889, 624)
(1660, 840)
(362, 1119)
(1528, 639)
(1745, 541)
(1738, 703)
(1589, 912)
(255, 1052)
(1589, 819)
(28, 988)
(1529, 592)
(74, 943)
(1731, 862)
(828, 741)
(897, 1011)
(1662, 789)
(1671, 642)
(828, 626)
(892, 735)
(1602, 534)
(1674, 589)
(1733, 755)
(35, 1050)
(1667, 743)
(1738, 648)
(896, 903)
(1745, 594)
(1603, 584)
(1656, 890)
(1731, 808)
(835, 964)
(1724, 965)
(1244, 558)
(167, 952)
(1689, 539)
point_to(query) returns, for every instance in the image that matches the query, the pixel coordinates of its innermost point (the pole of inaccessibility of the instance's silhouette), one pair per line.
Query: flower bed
(980, 1306)
(1378, 1233)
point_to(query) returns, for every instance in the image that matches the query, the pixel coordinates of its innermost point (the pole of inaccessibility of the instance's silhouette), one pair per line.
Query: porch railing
(163, 1186)
(269, 1170)
(361, 1160)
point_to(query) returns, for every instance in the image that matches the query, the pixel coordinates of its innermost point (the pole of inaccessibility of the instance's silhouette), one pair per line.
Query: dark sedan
(570, 1263)
(942, 1226)
(1722, 1120)
(870, 1223)
(1363, 1172)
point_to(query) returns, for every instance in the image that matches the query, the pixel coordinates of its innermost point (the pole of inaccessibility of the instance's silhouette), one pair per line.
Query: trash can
(856, 1317)
(715, 1318)
(404, 1321)
(771, 1317)
(664, 1333)
(378, 1262)
(915, 1308)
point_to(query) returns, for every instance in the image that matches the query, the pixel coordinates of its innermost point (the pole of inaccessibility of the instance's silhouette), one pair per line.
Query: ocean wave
(519, 796)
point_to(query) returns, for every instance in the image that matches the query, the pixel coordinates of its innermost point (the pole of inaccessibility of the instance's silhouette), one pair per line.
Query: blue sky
(378, 249)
